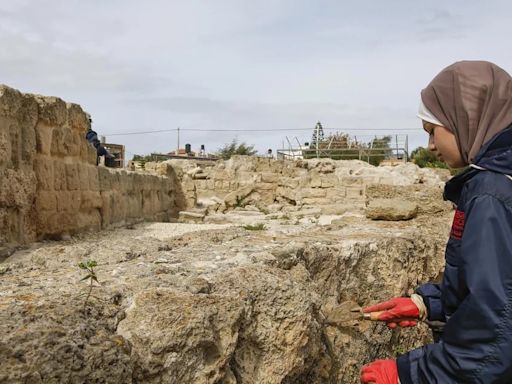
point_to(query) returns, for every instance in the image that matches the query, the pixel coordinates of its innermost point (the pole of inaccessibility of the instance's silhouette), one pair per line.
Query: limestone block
(106, 208)
(200, 184)
(190, 217)
(288, 182)
(90, 200)
(85, 221)
(126, 181)
(138, 181)
(115, 181)
(205, 336)
(267, 177)
(222, 174)
(17, 189)
(226, 185)
(46, 201)
(76, 118)
(54, 223)
(351, 180)
(316, 201)
(72, 177)
(5, 144)
(83, 176)
(236, 198)
(88, 153)
(72, 142)
(52, 110)
(134, 206)
(329, 180)
(105, 179)
(11, 101)
(354, 192)
(313, 192)
(28, 142)
(428, 198)
(64, 201)
(288, 193)
(266, 186)
(147, 208)
(119, 208)
(391, 209)
(65, 142)
(59, 175)
(57, 144)
(336, 193)
(44, 169)
(44, 139)
(314, 180)
(94, 182)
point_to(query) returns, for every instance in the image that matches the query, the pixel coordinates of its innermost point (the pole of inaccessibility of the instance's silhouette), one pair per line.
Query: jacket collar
(495, 156)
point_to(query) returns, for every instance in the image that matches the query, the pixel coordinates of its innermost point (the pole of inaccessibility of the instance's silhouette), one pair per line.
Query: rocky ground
(212, 303)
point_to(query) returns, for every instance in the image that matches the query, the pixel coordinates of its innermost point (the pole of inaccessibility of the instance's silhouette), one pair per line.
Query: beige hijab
(473, 99)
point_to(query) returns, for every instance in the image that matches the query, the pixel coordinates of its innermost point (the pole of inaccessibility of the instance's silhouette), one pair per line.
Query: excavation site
(250, 270)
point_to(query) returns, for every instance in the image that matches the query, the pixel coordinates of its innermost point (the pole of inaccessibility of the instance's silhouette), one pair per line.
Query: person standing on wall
(467, 112)
(92, 137)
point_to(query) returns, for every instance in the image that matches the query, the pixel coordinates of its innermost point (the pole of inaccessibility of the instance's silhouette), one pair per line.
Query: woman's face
(442, 141)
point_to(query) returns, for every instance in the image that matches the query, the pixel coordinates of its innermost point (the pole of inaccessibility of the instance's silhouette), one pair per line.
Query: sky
(262, 72)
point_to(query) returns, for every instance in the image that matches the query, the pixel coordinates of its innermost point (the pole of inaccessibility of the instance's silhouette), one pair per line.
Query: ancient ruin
(205, 274)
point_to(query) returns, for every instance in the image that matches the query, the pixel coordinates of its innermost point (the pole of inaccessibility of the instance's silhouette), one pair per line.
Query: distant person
(92, 137)
(467, 112)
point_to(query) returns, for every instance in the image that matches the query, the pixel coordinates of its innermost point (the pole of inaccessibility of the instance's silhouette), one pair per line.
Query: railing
(354, 148)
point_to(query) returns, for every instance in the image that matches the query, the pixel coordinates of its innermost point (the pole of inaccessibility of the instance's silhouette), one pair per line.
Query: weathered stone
(236, 198)
(187, 339)
(190, 217)
(391, 210)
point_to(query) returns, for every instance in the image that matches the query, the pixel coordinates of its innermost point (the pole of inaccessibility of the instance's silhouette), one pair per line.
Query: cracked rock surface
(207, 303)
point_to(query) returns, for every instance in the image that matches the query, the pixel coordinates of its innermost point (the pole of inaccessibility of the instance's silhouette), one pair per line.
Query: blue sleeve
(431, 294)
(476, 346)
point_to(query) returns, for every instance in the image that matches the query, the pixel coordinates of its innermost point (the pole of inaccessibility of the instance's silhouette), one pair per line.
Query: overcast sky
(282, 65)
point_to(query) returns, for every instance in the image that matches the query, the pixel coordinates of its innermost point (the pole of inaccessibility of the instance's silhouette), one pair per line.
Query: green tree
(235, 148)
(424, 158)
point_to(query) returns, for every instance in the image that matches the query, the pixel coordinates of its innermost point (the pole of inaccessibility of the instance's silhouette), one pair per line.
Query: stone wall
(261, 182)
(49, 180)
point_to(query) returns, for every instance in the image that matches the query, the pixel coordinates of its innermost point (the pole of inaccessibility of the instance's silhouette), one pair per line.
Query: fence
(372, 149)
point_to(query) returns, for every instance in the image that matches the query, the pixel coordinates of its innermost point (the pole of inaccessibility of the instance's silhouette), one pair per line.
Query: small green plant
(88, 266)
(264, 210)
(256, 227)
(239, 202)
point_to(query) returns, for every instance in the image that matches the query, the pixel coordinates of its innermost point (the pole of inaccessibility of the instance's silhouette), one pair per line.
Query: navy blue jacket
(475, 296)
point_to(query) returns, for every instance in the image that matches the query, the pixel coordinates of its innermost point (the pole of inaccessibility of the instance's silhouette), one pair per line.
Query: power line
(260, 130)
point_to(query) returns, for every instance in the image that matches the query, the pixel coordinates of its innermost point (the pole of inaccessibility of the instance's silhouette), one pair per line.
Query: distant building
(116, 150)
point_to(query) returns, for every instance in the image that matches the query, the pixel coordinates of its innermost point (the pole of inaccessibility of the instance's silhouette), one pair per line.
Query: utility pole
(178, 150)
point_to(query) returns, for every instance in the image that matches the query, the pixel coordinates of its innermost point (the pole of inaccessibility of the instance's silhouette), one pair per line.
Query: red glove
(400, 311)
(380, 372)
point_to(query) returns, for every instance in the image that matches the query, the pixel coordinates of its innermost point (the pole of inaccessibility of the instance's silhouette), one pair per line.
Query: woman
(467, 112)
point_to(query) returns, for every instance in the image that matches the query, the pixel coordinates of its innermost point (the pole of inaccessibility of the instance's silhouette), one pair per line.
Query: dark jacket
(475, 296)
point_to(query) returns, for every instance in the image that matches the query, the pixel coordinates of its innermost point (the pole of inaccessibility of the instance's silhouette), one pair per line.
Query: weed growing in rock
(91, 276)
(264, 210)
(256, 227)
(239, 202)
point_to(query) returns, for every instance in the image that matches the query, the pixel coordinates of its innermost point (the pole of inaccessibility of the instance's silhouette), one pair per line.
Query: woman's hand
(399, 311)
(380, 372)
